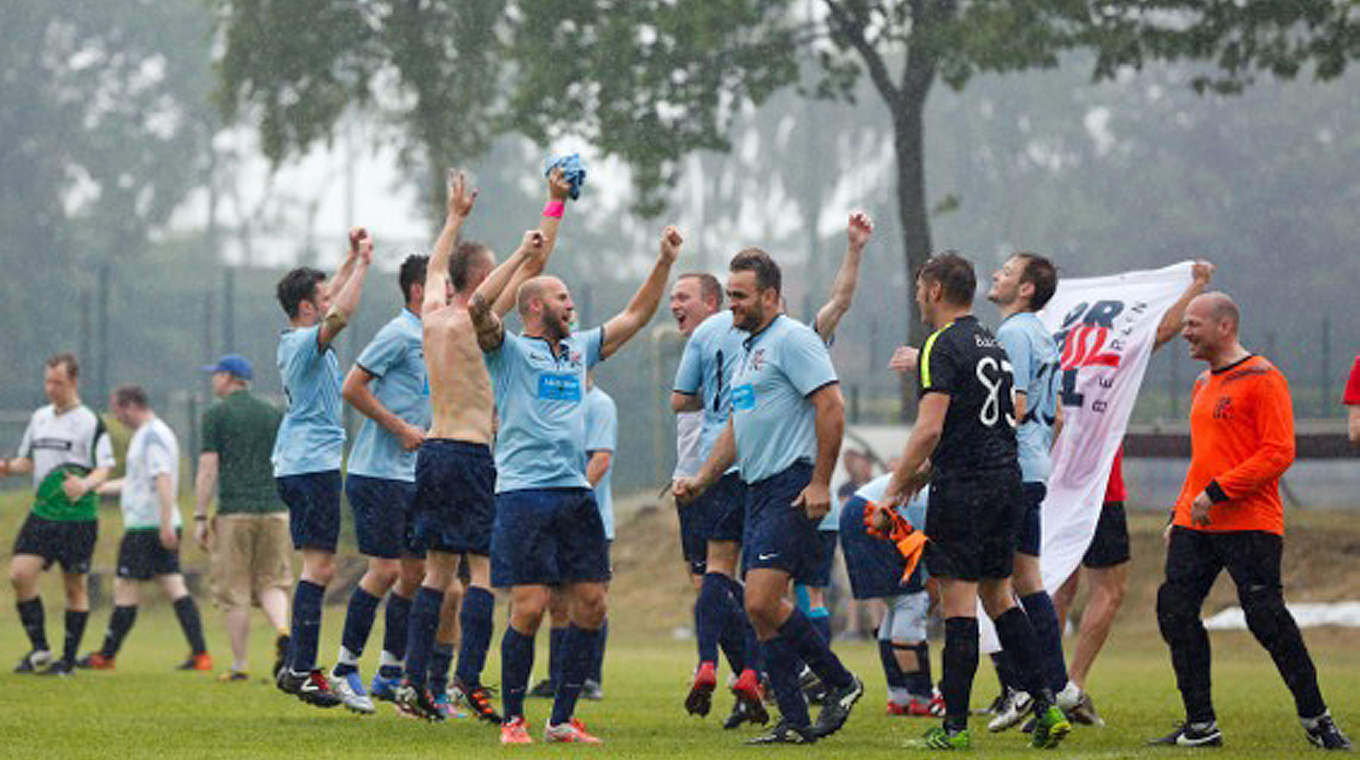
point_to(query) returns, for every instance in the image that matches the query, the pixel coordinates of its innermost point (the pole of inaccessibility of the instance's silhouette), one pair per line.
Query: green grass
(146, 710)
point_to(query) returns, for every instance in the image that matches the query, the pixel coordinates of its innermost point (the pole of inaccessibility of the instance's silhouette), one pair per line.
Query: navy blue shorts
(548, 537)
(820, 575)
(1031, 528)
(313, 501)
(779, 535)
(382, 516)
(873, 564)
(718, 515)
(141, 556)
(455, 500)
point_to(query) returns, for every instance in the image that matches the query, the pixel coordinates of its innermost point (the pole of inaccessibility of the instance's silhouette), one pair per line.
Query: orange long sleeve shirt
(1241, 441)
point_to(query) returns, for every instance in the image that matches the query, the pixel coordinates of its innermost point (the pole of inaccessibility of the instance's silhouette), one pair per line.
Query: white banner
(1106, 328)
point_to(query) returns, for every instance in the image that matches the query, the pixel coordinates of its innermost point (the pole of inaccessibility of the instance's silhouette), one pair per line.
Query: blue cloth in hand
(573, 171)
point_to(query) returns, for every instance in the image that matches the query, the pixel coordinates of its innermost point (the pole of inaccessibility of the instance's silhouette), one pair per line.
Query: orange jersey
(1241, 441)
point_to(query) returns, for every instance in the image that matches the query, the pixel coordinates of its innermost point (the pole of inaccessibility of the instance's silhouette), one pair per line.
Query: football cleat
(915, 708)
(60, 668)
(939, 737)
(700, 698)
(1085, 712)
(1050, 728)
(836, 706)
(34, 661)
(384, 687)
(199, 661)
(748, 707)
(1324, 733)
(478, 700)
(514, 731)
(95, 661)
(814, 691)
(281, 645)
(785, 733)
(231, 676)
(350, 689)
(418, 702)
(1013, 710)
(1192, 735)
(544, 689)
(571, 732)
(312, 687)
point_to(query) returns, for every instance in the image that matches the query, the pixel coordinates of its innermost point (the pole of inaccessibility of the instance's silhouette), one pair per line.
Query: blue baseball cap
(237, 365)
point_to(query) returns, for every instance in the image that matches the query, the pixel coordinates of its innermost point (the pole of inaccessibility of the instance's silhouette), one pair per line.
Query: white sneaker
(350, 689)
(1068, 699)
(1013, 709)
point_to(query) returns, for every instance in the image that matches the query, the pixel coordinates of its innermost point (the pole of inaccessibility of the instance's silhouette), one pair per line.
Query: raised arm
(347, 265)
(481, 309)
(860, 228)
(1170, 326)
(640, 309)
(346, 290)
(460, 202)
(559, 190)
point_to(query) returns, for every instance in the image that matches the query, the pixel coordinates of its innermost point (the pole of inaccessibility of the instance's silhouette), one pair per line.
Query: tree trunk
(909, 145)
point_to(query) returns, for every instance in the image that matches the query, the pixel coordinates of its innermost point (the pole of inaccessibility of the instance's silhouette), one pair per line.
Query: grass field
(145, 710)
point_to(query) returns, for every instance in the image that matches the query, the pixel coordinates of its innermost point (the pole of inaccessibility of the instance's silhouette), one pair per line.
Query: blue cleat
(384, 688)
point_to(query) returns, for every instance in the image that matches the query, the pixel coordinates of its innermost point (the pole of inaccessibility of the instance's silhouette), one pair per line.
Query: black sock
(892, 672)
(1004, 674)
(119, 624)
(960, 665)
(919, 682)
(75, 631)
(191, 623)
(1017, 638)
(33, 620)
(811, 648)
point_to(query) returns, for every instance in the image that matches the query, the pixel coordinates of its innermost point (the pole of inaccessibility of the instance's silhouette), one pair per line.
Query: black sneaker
(60, 668)
(1192, 735)
(786, 733)
(478, 700)
(814, 691)
(34, 661)
(280, 653)
(746, 711)
(542, 690)
(1324, 733)
(418, 702)
(312, 688)
(836, 707)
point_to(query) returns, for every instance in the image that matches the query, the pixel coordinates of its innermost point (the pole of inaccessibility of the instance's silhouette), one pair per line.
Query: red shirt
(1114, 487)
(1352, 397)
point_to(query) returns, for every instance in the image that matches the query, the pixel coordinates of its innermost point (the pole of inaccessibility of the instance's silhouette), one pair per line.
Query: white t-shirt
(152, 452)
(75, 437)
(688, 426)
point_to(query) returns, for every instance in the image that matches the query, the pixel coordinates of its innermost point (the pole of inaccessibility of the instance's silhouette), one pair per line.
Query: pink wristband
(554, 208)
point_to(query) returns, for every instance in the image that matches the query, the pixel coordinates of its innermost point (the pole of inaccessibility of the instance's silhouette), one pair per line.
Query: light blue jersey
(771, 415)
(311, 437)
(602, 434)
(706, 369)
(1034, 366)
(396, 359)
(540, 401)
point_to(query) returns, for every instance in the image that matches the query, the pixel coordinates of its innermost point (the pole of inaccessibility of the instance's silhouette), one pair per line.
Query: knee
(590, 609)
(77, 596)
(1267, 617)
(1175, 611)
(526, 618)
(320, 571)
(1110, 595)
(383, 573)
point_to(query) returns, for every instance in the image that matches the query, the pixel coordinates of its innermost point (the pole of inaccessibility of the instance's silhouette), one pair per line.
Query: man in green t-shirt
(248, 538)
(68, 452)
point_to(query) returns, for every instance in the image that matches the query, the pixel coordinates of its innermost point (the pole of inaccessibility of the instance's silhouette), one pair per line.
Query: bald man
(1229, 515)
(548, 532)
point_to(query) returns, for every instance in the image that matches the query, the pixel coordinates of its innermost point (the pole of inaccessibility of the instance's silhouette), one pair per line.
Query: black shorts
(141, 556)
(455, 500)
(718, 515)
(382, 516)
(313, 501)
(548, 537)
(779, 535)
(973, 524)
(68, 542)
(1032, 527)
(1110, 543)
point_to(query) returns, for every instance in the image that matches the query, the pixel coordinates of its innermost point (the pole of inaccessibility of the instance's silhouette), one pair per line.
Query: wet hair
(297, 286)
(412, 273)
(954, 274)
(709, 287)
(758, 261)
(465, 256)
(65, 359)
(1040, 273)
(130, 395)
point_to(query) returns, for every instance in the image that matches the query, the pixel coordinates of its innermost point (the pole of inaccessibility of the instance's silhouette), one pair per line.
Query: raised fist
(461, 198)
(670, 243)
(860, 229)
(559, 189)
(534, 244)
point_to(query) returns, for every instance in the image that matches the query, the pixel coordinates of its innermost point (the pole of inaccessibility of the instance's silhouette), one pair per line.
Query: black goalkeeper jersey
(964, 360)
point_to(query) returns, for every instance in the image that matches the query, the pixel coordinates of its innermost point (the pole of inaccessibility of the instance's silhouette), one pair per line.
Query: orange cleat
(514, 731)
(199, 661)
(95, 661)
(572, 732)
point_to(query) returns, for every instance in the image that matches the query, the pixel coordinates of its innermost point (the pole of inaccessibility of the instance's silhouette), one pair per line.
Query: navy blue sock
(363, 608)
(306, 626)
(33, 620)
(1048, 637)
(821, 622)
(712, 612)
(919, 682)
(420, 635)
(557, 651)
(596, 670)
(119, 624)
(440, 661)
(755, 651)
(812, 649)
(396, 623)
(580, 645)
(782, 665)
(1016, 634)
(475, 618)
(517, 662)
(892, 672)
(732, 639)
(960, 665)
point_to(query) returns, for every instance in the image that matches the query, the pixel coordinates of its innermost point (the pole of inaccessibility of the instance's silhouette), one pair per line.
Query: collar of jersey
(751, 339)
(564, 344)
